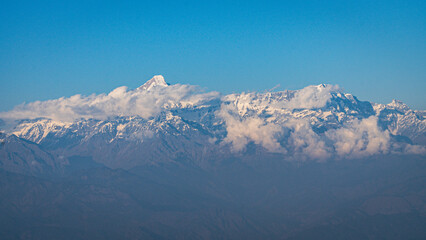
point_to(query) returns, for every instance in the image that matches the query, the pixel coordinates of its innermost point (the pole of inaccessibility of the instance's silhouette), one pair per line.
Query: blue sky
(373, 49)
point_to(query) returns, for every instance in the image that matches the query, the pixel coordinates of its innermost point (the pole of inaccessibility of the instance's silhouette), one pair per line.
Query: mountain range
(176, 162)
(165, 123)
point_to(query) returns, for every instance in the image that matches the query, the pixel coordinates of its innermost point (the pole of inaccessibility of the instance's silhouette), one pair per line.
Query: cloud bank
(280, 122)
(119, 102)
(297, 140)
(312, 97)
(286, 126)
(241, 131)
(360, 138)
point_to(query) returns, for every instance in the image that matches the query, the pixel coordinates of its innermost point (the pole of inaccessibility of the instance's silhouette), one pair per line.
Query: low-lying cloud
(312, 97)
(119, 102)
(241, 131)
(251, 117)
(360, 138)
(280, 122)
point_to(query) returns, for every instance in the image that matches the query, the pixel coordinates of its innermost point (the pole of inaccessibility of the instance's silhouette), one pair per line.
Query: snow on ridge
(153, 97)
(157, 80)
(317, 121)
(119, 102)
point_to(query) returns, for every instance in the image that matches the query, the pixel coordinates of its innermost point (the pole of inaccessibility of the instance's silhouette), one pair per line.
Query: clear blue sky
(373, 49)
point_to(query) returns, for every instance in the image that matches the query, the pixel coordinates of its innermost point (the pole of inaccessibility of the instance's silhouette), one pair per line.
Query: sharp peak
(157, 80)
(398, 104)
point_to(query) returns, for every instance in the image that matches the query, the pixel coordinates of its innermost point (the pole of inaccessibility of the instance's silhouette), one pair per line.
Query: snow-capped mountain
(158, 122)
(400, 120)
(156, 81)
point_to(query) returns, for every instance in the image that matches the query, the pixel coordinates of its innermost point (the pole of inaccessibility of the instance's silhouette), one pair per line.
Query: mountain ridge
(164, 124)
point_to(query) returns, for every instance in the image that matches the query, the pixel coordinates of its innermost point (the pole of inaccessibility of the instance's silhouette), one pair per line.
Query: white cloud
(415, 149)
(304, 143)
(243, 121)
(312, 97)
(295, 136)
(119, 102)
(242, 130)
(360, 138)
(271, 121)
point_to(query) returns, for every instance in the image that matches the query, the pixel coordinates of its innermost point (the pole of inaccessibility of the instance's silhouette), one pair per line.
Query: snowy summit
(157, 80)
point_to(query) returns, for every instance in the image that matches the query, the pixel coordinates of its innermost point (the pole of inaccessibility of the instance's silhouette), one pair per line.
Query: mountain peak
(157, 80)
(399, 105)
